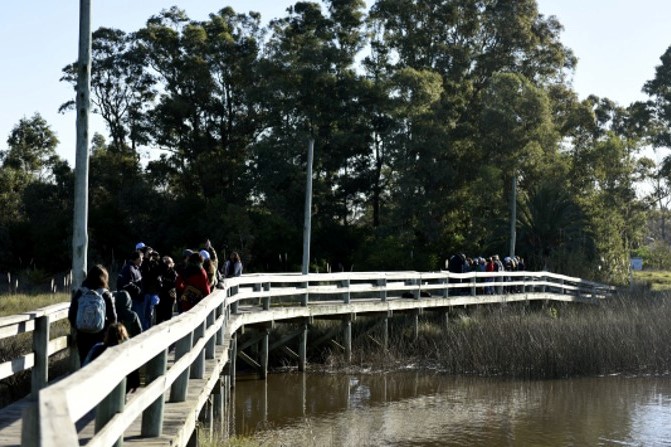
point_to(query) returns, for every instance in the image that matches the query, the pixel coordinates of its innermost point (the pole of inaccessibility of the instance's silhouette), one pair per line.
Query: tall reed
(626, 334)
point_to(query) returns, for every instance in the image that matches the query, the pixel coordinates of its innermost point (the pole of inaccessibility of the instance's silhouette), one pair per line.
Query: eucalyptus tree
(206, 116)
(466, 42)
(659, 91)
(518, 132)
(312, 90)
(122, 89)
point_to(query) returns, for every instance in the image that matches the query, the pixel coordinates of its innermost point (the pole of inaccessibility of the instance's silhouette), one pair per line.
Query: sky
(618, 44)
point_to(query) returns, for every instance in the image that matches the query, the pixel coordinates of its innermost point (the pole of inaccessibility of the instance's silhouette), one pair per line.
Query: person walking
(91, 310)
(125, 313)
(130, 280)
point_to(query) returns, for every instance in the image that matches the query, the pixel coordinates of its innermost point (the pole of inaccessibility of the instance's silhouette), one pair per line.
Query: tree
(32, 147)
(517, 131)
(122, 88)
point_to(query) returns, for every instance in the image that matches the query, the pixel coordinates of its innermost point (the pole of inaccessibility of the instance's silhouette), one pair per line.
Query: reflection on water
(424, 409)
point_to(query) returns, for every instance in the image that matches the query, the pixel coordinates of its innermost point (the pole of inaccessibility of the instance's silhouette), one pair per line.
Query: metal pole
(307, 225)
(513, 217)
(80, 220)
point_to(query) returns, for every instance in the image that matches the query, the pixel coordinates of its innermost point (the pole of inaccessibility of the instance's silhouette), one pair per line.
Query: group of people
(460, 263)
(149, 288)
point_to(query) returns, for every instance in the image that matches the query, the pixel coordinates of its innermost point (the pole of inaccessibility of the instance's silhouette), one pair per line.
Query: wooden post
(416, 324)
(385, 333)
(473, 287)
(30, 423)
(266, 299)
(446, 291)
(179, 388)
(209, 346)
(218, 403)
(306, 296)
(233, 358)
(40, 373)
(264, 353)
(303, 347)
(111, 405)
(257, 288)
(206, 418)
(73, 353)
(344, 284)
(152, 417)
(347, 334)
(226, 393)
(234, 305)
(198, 367)
(383, 293)
(446, 321)
(222, 330)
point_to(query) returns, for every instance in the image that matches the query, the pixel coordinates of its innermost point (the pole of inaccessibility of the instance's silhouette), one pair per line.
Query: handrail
(215, 320)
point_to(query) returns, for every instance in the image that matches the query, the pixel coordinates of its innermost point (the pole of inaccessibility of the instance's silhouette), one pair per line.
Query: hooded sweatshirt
(125, 314)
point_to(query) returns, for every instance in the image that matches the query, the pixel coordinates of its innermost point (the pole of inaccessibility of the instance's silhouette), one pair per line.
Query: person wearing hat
(130, 280)
(192, 284)
(210, 268)
(151, 285)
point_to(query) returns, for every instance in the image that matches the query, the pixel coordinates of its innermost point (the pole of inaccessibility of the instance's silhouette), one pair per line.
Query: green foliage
(421, 114)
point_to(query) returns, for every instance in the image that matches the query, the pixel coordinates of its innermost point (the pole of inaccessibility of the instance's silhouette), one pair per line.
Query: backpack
(190, 297)
(91, 311)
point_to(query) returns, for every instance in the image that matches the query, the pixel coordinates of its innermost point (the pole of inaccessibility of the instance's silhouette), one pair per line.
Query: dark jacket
(125, 314)
(130, 280)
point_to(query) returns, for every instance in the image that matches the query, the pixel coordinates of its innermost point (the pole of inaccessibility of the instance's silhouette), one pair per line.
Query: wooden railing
(50, 421)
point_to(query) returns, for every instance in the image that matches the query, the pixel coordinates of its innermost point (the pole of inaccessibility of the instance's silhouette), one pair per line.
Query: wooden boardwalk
(189, 362)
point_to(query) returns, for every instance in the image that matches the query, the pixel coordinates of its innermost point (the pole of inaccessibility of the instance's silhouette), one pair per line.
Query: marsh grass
(627, 335)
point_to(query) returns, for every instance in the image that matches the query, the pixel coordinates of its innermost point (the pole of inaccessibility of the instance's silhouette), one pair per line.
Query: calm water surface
(425, 409)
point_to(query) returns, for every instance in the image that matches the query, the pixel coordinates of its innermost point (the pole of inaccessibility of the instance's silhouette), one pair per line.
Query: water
(425, 409)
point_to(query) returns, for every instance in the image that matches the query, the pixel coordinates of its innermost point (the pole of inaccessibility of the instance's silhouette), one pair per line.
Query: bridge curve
(190, 360)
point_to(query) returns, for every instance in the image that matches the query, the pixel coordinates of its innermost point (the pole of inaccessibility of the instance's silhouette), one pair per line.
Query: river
(431, 409)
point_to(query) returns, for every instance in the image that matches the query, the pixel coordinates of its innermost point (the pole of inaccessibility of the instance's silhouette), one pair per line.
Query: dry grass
(655, 280)
(17, 303)
(18, 385)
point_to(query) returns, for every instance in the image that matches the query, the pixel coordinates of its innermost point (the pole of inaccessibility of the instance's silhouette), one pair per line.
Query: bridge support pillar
(233, 355)
(347, 335)
(218, 400)
(303, 347)
(226, 398)
(206, 418)
(264, 353)
(415, 324)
